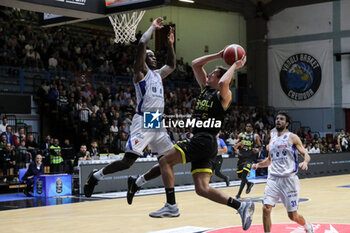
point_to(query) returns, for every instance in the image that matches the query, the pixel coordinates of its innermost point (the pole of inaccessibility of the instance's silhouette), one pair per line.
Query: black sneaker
(249, 187)
(132, 189)
(227, 180)
(90, 184)
(238, 197)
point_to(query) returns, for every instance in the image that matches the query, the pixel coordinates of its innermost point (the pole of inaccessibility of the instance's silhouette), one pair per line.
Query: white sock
(242, 205)
(140, 181)
(99, 174)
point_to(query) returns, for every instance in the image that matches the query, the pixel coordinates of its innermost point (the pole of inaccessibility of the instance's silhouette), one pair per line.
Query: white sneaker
(168, 211)
(310, 228)
(246, 210)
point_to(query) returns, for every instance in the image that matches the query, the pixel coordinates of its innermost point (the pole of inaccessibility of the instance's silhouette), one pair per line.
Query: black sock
(233, 203)
(170, 195)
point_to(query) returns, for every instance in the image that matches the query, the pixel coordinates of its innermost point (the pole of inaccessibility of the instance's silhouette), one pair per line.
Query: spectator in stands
(24, 157)
(36, 168)
(8, 161)
(128, 108)
(84, 114)
(342, 141)
(9, 135)
(68, 156)
(308, 148)
(331, 149)
(31, 145)
(94, 152)
(315, 149)
(19, 136)
(3, 142)
(93, 126)
(308, 137)
(56, 160)
(337, 148)
(270, 118)
(53, 96)
(120, 143)
(259, 123)
(62, 101)
(232, 140)
(114, 130)
(53, 62)
(45, 147)
(3, 125)
(83, 154)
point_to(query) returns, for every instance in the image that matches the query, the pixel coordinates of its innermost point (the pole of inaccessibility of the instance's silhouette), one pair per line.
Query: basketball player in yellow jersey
(249, 145)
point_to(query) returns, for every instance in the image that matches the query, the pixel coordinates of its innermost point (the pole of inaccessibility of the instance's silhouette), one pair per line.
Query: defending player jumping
(150, 96)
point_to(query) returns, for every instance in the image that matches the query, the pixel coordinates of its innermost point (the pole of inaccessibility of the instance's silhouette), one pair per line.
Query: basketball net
(124, 25)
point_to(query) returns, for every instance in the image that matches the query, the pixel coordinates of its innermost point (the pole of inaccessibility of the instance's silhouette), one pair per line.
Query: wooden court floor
(328, 204)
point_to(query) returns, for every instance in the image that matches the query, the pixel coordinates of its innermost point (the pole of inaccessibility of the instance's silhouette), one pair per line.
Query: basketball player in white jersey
(150, 98)
(282, 181)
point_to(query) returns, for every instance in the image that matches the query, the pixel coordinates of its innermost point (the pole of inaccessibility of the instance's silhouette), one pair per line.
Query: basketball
(232, 53)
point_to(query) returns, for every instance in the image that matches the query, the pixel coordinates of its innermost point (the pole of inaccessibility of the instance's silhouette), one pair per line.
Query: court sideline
(328, 203)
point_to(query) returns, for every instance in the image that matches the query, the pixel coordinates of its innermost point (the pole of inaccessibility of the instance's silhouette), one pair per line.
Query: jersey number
(154, 90)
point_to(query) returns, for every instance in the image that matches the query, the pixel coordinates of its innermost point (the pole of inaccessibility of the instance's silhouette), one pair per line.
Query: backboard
(116, 6)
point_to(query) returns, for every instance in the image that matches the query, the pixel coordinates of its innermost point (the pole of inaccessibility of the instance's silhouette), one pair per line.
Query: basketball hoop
(124, 25)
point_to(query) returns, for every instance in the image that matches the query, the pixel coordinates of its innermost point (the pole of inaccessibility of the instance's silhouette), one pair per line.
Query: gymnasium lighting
(188, 1)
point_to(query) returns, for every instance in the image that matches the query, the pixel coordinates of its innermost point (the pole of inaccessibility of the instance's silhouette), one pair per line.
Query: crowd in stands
(63, 48)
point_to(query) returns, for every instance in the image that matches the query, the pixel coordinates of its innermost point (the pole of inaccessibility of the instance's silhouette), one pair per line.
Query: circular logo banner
(289, 228)
(300, 76)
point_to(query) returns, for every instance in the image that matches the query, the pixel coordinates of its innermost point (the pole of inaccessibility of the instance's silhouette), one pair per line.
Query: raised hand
(171, 37)
(158, 23)
(240, 63)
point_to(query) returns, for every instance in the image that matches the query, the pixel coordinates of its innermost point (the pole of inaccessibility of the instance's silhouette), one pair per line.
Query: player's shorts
(246, 166)
(286, 188)
(200, 150)
(139, 138)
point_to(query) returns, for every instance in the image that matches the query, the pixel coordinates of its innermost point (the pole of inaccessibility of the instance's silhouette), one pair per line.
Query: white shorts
(139, 138)
(286, 188)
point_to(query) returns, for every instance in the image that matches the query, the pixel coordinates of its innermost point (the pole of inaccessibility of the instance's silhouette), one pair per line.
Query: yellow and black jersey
(208, 112)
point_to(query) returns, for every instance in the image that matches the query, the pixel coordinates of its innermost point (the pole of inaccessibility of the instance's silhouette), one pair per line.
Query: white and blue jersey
(282, 181)
(150, 98)
(284, 159)
(150, 93)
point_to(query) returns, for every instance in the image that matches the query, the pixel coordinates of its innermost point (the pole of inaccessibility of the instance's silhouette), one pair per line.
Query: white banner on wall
(301, 75)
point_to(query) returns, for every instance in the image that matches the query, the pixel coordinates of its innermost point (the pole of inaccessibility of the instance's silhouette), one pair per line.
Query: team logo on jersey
(300, 76)
(152, 120)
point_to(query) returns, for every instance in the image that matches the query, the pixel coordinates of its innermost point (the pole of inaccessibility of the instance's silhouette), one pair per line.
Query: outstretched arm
(198, 64)
(170, 65)
(224, 83)
(139, 65)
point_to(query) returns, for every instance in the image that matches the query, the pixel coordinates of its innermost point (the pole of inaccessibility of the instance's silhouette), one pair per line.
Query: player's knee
(163, 161)
(267, 210)
(293, 216)
(202, 190)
